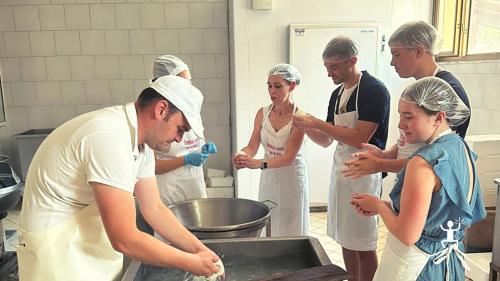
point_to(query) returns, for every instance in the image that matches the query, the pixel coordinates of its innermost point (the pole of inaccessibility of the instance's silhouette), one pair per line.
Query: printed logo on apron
(192, 144)
(274, 150)
(186, 182)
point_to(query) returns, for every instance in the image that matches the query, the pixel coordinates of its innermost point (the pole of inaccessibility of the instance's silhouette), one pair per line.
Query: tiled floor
(317, 229)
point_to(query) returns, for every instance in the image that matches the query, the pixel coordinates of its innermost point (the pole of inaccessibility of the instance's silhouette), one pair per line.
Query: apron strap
(336, 107)
(436, 71)
(444, 255)
(471, 168)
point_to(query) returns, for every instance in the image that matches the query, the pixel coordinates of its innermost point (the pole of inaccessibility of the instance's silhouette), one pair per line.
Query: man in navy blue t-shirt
(358, 113)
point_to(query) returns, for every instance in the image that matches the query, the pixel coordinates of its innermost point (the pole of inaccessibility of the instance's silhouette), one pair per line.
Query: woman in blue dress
(435, 197)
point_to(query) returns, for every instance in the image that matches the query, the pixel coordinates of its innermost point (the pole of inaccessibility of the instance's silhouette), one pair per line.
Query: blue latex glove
(195, 159)
(209, 148)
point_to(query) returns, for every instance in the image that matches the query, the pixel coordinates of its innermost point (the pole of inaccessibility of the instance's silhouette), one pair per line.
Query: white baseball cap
(186, 97)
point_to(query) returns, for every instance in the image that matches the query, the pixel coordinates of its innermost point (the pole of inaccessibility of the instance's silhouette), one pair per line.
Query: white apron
(286, 186)
(77, 249)
(344, 225)
(186, 182)
(400, 262)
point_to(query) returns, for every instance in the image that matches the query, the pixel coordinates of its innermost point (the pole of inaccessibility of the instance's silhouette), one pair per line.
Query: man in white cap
(78, 213)
(179, 169)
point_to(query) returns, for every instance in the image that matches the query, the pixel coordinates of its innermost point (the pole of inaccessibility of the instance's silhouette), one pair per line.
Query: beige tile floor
(317, 229)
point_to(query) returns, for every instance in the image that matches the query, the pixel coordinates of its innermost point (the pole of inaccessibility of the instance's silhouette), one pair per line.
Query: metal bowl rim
(232, 227)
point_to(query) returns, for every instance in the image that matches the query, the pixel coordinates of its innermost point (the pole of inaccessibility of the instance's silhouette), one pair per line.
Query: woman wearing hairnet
(284, 177)
(179, 171)
(435, 197)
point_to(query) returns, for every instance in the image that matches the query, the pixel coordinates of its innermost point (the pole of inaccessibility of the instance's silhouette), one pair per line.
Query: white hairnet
(287, 72)
(415, 33)
(434, 95)
(168, 65)
(340, 48)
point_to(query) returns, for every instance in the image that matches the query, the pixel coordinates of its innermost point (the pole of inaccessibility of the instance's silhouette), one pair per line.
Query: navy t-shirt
(373, 106)
(459, 89)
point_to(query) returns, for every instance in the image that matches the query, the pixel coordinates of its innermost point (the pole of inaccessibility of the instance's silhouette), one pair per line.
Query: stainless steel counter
(246, 259)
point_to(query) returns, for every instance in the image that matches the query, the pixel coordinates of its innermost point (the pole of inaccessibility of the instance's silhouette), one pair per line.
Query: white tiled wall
(487, 148)
(481, 81)
(62, 58)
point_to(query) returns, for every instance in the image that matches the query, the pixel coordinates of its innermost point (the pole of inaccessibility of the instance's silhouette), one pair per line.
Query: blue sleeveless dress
(449, 162)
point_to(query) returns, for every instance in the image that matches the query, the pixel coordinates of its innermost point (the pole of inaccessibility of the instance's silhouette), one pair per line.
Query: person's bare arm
(355, 137)
(389, 161)
(366, 164)
(373, 160)
(392, 165)
(361, 133)
(253, 144)
(319, 137)
(292, 147)
(391, 152)
(117, 210)
(166, 165)
(419, 184)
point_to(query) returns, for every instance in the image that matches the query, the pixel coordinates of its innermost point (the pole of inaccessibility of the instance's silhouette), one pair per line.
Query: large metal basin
(10, 187)
(248, 259)
(215, 218)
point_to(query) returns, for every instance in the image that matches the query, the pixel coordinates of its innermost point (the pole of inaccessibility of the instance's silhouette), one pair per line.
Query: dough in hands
(240, 153)
(214, 277)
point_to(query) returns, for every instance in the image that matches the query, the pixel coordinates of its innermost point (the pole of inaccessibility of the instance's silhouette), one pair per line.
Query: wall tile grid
(62, 58)
(480, 80)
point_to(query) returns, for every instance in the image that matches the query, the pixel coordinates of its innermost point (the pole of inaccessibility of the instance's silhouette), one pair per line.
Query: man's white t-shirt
(100, 146)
